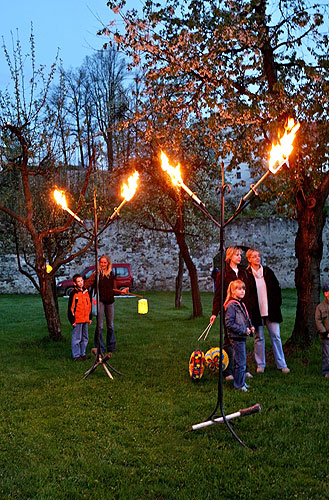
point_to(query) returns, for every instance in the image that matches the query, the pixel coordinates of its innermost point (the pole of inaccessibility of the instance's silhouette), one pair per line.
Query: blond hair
(231, 289)
(109, 265)
(230, 252)
(251, 251)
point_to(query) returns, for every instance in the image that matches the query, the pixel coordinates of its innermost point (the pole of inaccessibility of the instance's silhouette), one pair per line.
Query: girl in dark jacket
(264, 306)
(238, 327)
(107, 288)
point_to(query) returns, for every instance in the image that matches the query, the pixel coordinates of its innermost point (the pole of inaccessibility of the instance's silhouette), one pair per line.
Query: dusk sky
(70, 25)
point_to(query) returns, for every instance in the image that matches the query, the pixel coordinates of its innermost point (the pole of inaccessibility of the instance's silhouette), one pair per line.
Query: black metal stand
(222, 224)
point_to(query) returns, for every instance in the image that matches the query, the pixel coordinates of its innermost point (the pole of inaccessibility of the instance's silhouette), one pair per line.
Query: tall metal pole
(219, 403)
(100, 359)
(97, 275)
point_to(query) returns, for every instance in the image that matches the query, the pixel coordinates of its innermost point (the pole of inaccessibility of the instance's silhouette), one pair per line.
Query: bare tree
(32, 151)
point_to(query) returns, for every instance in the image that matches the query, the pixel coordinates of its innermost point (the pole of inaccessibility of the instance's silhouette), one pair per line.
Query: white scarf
(261, 291)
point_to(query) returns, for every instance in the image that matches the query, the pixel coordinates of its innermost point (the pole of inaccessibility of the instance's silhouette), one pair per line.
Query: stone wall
(154, 256)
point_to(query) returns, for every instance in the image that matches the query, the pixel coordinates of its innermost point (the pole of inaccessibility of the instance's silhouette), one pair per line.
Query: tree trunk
(53, 288)
(196, 299)
(179, 282)
(185, 254)
(50, 309)
(309, 249)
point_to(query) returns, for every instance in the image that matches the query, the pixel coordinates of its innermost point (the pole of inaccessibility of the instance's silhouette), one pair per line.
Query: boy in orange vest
(79, 314)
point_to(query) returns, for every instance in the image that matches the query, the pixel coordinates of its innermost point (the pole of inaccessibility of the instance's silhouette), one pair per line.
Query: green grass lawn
(63, 437)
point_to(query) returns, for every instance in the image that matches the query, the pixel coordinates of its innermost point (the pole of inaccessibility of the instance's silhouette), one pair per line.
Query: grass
(67, 438)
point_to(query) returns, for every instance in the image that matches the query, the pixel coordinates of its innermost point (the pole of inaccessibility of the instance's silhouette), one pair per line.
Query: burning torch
(175, 175)
(61, 200)
(279, 155)
(127, 192)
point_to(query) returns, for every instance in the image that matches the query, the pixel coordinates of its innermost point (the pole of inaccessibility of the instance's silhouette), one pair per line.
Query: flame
(128, 191)
(173, 172)
(280, 152)
(60, 198)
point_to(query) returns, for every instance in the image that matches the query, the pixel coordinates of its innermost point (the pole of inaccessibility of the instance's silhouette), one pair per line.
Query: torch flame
(173, 172)
(60, 198)
(280, 152)
(128, 190)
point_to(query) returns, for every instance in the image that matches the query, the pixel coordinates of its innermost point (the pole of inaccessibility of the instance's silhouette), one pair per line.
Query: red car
(122, 273)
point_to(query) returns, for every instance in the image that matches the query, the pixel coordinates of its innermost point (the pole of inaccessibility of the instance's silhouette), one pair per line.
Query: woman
(232, 271)
(107, 289)
(264, 306)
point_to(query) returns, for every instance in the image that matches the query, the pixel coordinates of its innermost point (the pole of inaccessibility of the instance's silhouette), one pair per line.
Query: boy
(79, 314)
(322, 326)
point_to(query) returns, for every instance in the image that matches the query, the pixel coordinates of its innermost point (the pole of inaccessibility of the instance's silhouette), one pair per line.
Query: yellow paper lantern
(142, 306)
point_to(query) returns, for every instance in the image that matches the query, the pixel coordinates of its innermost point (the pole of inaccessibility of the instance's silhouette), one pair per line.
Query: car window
(121, 272)
(89, 273)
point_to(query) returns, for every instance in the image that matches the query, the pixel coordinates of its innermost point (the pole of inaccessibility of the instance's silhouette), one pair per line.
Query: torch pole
(100, 359)
(222, 224)
(98, 343)
(219, 403)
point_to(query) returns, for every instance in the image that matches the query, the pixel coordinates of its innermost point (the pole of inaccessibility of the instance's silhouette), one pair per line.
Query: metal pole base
(220, 420)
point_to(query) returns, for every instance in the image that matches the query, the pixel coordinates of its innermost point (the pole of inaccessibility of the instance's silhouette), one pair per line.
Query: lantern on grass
(212, 358)
(196, 365)
(142, 306)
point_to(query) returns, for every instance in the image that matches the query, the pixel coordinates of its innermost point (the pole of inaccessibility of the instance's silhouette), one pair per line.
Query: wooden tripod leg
(92, 369)
(112, 368)
(107, 371)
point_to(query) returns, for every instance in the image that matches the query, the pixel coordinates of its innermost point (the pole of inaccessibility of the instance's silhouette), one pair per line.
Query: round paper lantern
(212, 358)
(196, 365)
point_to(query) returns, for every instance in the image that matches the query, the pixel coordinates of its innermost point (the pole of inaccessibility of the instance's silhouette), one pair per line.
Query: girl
(238, 327)
(107, 288)
(233, 270)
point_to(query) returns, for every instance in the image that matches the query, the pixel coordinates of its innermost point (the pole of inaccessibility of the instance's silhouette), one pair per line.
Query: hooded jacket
(237, 320)
(79, 306)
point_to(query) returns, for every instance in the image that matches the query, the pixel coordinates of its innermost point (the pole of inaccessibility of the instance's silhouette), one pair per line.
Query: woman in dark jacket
(107, 289)
(232, 271)
(264, 306)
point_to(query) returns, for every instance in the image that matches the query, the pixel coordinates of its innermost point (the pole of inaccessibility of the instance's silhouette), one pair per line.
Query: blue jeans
(325, 356)
(274, 332)
(108, 310)
(239, 363)
(79, 339)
